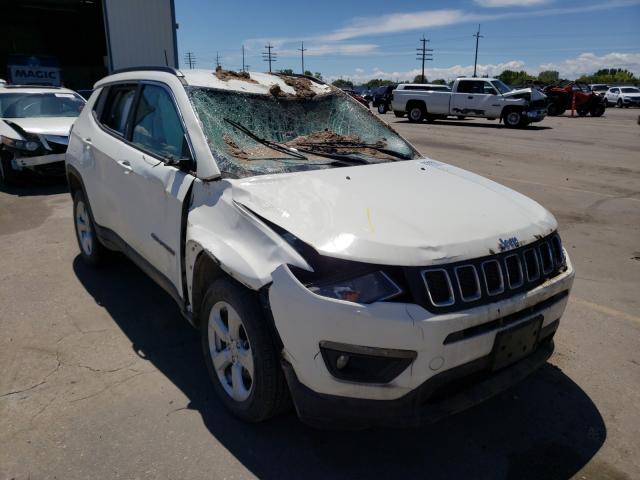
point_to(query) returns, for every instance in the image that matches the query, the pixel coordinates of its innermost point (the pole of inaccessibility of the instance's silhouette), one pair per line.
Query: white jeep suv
(321, 256)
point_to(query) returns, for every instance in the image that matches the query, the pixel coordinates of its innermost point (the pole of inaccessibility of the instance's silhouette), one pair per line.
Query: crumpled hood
(534, 92)
(407, 213)
(58, 126)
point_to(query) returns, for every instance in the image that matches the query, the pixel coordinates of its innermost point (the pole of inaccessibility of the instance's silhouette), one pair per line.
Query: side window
(488, 89)
(470, 86)
(157, 126)
(465, 86)
(117, 107)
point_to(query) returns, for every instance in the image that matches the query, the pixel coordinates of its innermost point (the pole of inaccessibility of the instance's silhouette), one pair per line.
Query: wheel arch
(416, 103)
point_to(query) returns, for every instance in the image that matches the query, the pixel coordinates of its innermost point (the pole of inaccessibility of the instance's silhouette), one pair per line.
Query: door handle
(126, 165)
(470, 97)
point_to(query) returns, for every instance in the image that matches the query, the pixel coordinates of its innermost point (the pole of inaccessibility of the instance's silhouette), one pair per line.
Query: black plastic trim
(503, 321)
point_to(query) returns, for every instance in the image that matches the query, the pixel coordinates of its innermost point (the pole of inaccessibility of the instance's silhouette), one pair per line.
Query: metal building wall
(140, 33)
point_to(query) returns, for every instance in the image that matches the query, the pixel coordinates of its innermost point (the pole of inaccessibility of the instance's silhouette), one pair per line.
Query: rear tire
(552, 109)
(382, 109)
(91, 250)
(416, 114)
(240, 353)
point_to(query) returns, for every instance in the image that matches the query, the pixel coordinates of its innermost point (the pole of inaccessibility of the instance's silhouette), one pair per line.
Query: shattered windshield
(255, 134)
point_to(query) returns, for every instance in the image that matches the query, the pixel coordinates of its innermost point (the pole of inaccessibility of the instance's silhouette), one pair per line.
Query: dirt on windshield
(328, 141)
(226, 75)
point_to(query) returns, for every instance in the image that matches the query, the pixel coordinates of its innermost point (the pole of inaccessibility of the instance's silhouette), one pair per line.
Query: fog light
(342, 361)
(356, 363)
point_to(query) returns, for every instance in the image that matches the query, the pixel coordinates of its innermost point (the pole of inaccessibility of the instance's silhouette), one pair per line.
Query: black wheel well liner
(415, 102)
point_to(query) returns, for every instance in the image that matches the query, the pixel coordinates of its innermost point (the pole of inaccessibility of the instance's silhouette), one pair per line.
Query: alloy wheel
(83, 226)
(230, 351)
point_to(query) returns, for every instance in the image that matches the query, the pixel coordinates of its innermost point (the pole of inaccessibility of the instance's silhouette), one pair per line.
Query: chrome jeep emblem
(508, 243)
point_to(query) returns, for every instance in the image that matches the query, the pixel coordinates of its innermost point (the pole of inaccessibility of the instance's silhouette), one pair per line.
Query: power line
(475, 62)
(424, 54)
(269, 56)
(190, 59)
(302, 50)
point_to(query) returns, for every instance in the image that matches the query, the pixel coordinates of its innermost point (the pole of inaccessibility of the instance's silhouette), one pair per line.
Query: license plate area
(516, 343)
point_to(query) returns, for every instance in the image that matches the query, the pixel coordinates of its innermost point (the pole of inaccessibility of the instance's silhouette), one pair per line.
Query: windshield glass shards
(255, 134)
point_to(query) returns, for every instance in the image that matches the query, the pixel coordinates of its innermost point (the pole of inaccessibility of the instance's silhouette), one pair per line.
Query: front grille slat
(480, 281)
(468, 283)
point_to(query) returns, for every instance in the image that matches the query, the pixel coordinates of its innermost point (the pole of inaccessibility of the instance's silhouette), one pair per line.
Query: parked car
(560, 98)
(623, 97)
(276, 215)
(34, 130)
(2, 82)
(382, 98)
(599, 88)
(473, 97)
(356, 96)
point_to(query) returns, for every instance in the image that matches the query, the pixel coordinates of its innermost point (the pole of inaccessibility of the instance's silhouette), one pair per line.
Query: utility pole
(243, 65)
(302, 50)
(269, 56)
(475, 62)
(424, 54)
(217, 60)
(190, 59)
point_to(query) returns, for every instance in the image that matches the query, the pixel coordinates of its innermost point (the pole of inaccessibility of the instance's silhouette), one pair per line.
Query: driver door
(476, 98)
(157, 188)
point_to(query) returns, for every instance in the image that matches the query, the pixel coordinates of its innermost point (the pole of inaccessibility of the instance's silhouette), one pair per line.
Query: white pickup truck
(473, 97)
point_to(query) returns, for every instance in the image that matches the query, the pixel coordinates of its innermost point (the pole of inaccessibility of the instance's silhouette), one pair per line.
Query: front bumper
(304, 319)
(51, 165)
(536, 115)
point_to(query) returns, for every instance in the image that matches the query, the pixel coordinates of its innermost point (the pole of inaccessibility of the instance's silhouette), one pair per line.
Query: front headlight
(28, 145)
(368, 288)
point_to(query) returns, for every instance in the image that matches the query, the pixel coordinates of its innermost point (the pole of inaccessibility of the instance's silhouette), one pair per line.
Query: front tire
(239, 351)
(382, 109)
(597, 110)
(515, 119)
(619, 103)
(91, 250)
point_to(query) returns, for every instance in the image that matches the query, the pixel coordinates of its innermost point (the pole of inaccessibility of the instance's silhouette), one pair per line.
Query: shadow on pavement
(467, 123)
(35, 189)
(546, 427)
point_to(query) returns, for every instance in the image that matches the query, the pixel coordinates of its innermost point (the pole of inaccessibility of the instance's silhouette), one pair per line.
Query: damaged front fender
(238, 242)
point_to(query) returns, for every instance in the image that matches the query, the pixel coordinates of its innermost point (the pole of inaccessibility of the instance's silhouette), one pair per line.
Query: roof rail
(159, 68)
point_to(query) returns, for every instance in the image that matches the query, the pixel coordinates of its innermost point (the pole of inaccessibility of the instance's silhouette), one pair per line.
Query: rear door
(153, 186)
(103, 150)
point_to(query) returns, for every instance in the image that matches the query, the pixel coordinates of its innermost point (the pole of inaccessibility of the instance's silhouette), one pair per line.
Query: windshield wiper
(273, 145)
(352, 144)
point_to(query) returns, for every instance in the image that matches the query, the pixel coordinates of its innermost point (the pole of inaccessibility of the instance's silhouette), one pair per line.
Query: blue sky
(377, 39)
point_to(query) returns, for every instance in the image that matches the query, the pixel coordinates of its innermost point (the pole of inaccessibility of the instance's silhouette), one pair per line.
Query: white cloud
(395, 22)
(331, 49)
(509, 3)
(359, 70)
(587, 63)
